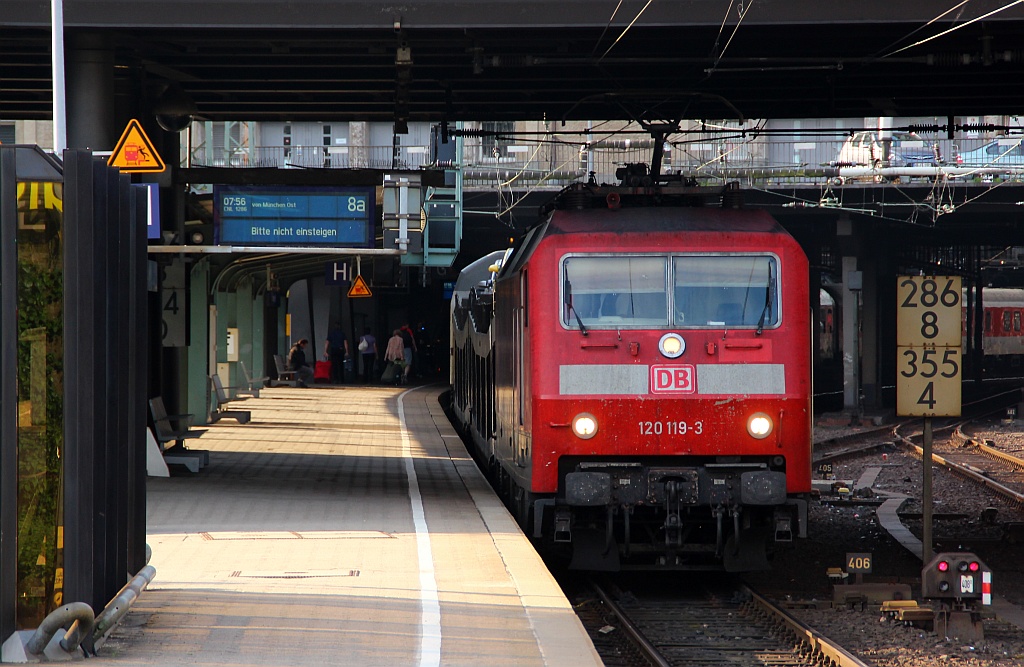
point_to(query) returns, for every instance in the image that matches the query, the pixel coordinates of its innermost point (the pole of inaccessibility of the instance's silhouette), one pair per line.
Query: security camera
(174, 110)
(173, 123)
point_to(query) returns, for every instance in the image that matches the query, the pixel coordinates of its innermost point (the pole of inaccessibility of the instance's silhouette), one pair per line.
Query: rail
(985, 407)
(818, 644)
(977, 476)
(819, 648)
(648, 649)
(1013, 461)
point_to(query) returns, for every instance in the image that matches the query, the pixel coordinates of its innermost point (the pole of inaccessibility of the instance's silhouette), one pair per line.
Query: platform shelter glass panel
(40, 398)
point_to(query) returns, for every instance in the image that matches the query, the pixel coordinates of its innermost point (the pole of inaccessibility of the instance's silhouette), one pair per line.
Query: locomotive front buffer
(959, 581)
(745, 502)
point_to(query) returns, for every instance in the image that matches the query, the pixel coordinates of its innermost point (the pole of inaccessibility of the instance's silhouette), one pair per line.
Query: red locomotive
(635, 375)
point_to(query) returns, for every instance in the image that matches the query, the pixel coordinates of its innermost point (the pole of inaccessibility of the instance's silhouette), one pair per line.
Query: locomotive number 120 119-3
(671, 427)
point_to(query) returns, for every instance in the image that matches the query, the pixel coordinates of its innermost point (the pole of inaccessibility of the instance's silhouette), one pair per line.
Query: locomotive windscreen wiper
(768, 290)
(568, 302)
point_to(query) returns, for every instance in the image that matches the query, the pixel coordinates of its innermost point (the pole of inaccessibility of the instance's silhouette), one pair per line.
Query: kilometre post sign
(928, 346)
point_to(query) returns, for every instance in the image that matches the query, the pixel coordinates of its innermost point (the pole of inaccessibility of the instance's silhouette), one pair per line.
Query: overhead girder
(526, 60)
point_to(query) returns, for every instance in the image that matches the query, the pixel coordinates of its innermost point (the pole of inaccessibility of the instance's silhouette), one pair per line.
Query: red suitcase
(322, 372)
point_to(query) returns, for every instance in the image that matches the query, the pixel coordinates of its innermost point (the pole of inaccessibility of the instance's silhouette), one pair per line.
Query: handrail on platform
(87, 631)
(83, 621)
(118, 607)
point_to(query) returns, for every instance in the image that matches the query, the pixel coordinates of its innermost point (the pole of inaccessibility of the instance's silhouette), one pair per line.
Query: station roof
(528, 59)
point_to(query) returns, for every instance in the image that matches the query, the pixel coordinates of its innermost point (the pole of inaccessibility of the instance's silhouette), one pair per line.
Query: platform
(342, 525)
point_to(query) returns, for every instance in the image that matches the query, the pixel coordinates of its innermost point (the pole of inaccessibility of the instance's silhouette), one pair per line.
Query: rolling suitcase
(392, 372)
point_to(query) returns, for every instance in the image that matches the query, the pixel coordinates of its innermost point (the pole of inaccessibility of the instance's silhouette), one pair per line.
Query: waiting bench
(176, 429)
(253, 384)
(220, 395)
(285, 377)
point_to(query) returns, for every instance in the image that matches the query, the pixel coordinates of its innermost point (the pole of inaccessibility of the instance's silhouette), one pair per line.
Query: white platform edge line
(430, 606)
(512, 547)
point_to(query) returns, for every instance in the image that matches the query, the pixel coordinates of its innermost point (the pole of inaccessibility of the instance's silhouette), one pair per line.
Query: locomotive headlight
(584, 425)
(759, 425)
(672, 345)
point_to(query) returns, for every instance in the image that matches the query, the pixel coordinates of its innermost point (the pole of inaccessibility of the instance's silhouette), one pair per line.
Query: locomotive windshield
(610, 292)
(606, 291)
(731, 291)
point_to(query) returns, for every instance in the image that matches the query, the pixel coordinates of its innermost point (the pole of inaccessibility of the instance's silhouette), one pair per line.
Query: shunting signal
(957, 575)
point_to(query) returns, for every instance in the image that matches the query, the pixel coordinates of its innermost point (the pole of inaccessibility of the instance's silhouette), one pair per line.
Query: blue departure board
(294, 215)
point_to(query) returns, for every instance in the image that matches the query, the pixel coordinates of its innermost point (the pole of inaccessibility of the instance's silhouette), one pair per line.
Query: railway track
(975, 456)
(714, 623)
(863, 442)
(1001, 472)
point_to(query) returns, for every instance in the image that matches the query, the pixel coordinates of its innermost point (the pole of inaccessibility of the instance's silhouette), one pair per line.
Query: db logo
(673, 379)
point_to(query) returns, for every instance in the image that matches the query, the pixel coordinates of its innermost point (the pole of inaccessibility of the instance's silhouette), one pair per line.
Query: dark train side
(636, 378)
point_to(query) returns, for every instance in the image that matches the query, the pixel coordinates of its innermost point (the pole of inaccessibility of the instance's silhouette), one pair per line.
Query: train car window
(613, 292)
(1006, 320)
(988, 321)
(725, 290)
(1016, 320)
(826, 325)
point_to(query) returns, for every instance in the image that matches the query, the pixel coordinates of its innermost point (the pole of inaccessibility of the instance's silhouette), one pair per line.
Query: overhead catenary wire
(742, 14)
(940, 201)
(955, 28)
(721, 29)
(913, 32)
(706, 127)
(532, 188)
(795, 200)
(626, 29)
(604, 32)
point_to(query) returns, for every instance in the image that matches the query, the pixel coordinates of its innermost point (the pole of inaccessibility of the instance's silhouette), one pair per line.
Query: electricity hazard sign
(134, 152)
(359, 288)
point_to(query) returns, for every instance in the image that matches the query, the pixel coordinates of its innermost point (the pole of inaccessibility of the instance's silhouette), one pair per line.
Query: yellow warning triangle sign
(134, 152)
(359, 288)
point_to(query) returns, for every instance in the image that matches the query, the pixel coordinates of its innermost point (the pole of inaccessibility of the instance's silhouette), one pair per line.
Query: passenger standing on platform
(368, 351)
(395, 354)
(297, 362)
(410, 346)
(336, 351)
